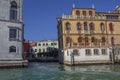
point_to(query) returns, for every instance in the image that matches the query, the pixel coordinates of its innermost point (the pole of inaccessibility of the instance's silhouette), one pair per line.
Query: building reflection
(95, 68)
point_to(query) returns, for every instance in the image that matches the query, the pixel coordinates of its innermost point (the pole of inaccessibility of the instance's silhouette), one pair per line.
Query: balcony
(87, 17)
(86, 45)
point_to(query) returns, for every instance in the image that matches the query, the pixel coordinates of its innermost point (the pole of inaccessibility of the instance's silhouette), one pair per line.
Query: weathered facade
(87, 36)
(11, 32)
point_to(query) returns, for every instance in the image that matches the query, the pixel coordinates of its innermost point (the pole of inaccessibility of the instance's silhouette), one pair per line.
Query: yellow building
(86, 36)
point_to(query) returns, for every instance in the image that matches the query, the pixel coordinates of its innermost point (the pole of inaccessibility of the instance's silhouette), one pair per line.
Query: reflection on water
(96, 68)
(55, 71)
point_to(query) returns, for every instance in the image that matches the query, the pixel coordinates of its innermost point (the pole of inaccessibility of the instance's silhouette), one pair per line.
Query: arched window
(102, 28)
(12, 49)
(79, 39)
(112, 41)
(90, 13)
(13, 11)
(68, 40)
(78, 13)
(103, 39)
(84, 13)
(67, 26)
(78, 26)
(85, 26)
(111, 27)
(91, 25)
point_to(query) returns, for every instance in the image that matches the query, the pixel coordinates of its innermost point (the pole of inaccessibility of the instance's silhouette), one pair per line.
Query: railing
(86, 17)
(86, 44)
(88, 32)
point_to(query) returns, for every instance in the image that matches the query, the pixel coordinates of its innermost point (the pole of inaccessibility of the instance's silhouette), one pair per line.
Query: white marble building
(11, 30)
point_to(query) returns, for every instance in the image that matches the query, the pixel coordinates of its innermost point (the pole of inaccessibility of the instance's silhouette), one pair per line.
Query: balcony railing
(86, 17)
(86, 44)
(88, 32)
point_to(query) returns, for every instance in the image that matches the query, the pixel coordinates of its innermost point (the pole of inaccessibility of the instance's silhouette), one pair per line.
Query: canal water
(55, 71)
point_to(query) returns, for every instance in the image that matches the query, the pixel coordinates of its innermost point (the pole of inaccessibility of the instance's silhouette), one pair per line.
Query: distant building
(32, 46)
(29, 49)
(11, 32)
(86, 36)
(46, 46)
(26, 47)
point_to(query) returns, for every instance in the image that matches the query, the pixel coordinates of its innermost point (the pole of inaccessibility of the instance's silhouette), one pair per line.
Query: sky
(40, 16)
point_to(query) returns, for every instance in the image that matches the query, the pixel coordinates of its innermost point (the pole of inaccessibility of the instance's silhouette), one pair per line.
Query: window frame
(79, 39)
(13, 10)
(86, 39)
(91, 26)
(78, 26)
(67, 26)
(76, 52)
(68, 40)
(35, 50)
(88, 52)
(16, 34)
(102, 27)
(77, 12)
(91, 13)
(13, 50)
(104, 51)
(84, 13)
(96, 51)
(103, 39)
(111, 27)
(39, 44)
(85, 26)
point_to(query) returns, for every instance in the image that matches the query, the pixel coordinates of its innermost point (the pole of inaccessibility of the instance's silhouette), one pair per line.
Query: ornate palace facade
(86, 36)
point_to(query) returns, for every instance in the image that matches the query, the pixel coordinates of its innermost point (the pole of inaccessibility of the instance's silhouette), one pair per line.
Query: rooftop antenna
(117, 6)
(73, 5)
(93, 6)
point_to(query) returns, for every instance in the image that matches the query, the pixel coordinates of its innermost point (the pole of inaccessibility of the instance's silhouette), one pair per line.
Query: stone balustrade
(86, 45)
(87, 17)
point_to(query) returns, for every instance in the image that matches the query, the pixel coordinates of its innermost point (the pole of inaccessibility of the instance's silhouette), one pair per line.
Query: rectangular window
(76, 52)
(96, 52)
(104, 52)
(88, 52)
(111, 17)
(12, 34)
(43, 50)
(55, 43)
(13, 15)
(35, 50)
(39, 50)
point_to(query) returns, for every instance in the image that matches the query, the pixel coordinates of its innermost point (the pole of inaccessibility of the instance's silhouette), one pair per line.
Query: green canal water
(55, 71)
